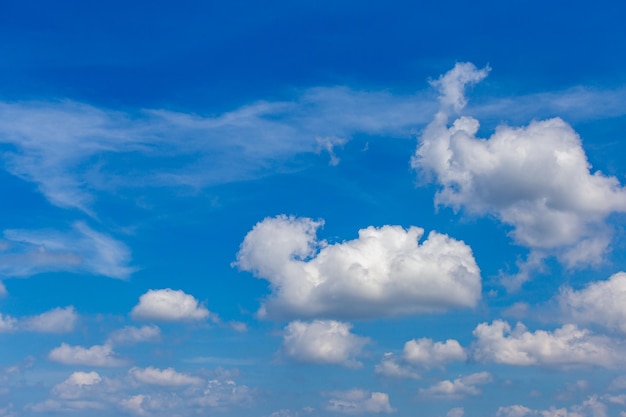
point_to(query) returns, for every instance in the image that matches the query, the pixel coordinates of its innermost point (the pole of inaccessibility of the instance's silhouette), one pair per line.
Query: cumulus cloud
(600, 302)
(76, 384)
(58, 320)
(386, 271)
(536, 178)
(359, 402)
(97, 355)
(131, 335)
(458, 388)
(168, 305)
(82, 249)
(421, 354)
(566, 346)
(322, 341)
(163, 377)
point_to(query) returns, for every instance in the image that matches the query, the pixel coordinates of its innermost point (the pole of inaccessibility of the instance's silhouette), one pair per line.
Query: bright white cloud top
(169, 305)
(535, 178)
(163, 377)
(386, 271)
(565, 346)
(359, 402)
(419, 355)
(458, 388)
(97, 355)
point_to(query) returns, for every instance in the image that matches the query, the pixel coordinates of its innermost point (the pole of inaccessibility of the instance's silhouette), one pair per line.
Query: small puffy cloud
(600, 302)
(458, 388)
(58, 320)
(224, 393)
(163, 377)
(566, 346)
(359, 402)
(131, 335)
(423, 353)
(97, 355)
(168, 305)
(322, 341)
(82, 249)
(76, 384)
(536, 178)
(384, 272)
(456, 412)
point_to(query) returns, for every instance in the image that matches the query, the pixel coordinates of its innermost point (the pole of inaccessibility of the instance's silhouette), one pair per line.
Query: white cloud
(3, 289)
(131, 335)
(322, 341)
(591, 407)
(225, 393)
(97, 355)
(423, 354)
(458, 388)
(384, 272)
(169, 305)
(536, 179)
(456, 412)
(58, 320)
(359, 402)
(163, 377)
(7, 324)
(75, 385)
(600, 302)
(566, 346)
(82, 249)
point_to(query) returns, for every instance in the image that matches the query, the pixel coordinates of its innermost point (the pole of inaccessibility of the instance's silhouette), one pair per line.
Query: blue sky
(312, 209)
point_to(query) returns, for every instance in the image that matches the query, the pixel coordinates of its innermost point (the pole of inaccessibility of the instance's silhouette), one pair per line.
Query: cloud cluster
(322, 341)
(600, 302)
(536, 178)
(359, 402)
(163, 377)
(458, 388)
(82, 249)
(420, 355)
(591, 407)
(566, 346)
(169, 305)
(386, 271)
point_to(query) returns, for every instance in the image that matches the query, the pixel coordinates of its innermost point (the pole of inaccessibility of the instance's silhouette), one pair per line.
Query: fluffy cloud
(58, 320)
(600, 302)
(76, 384)
(322, 341)
(131, 335)
(459, 388)
(384, 272)
(535, 178)
(97, 355)
(168, 305)
(422, 353)
(566, 346)
(29, 252)
(359, 402)
(163, 377)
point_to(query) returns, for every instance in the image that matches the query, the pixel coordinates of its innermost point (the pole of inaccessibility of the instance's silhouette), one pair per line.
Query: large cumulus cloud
(386, 271)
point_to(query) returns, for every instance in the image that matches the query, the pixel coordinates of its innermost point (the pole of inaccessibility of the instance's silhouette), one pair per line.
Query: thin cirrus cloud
(563, 347)
(421, 354)
(535, 178)
(81, 249)
(322, 342)
(169, 305)
(600, 302)
(386, 271)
